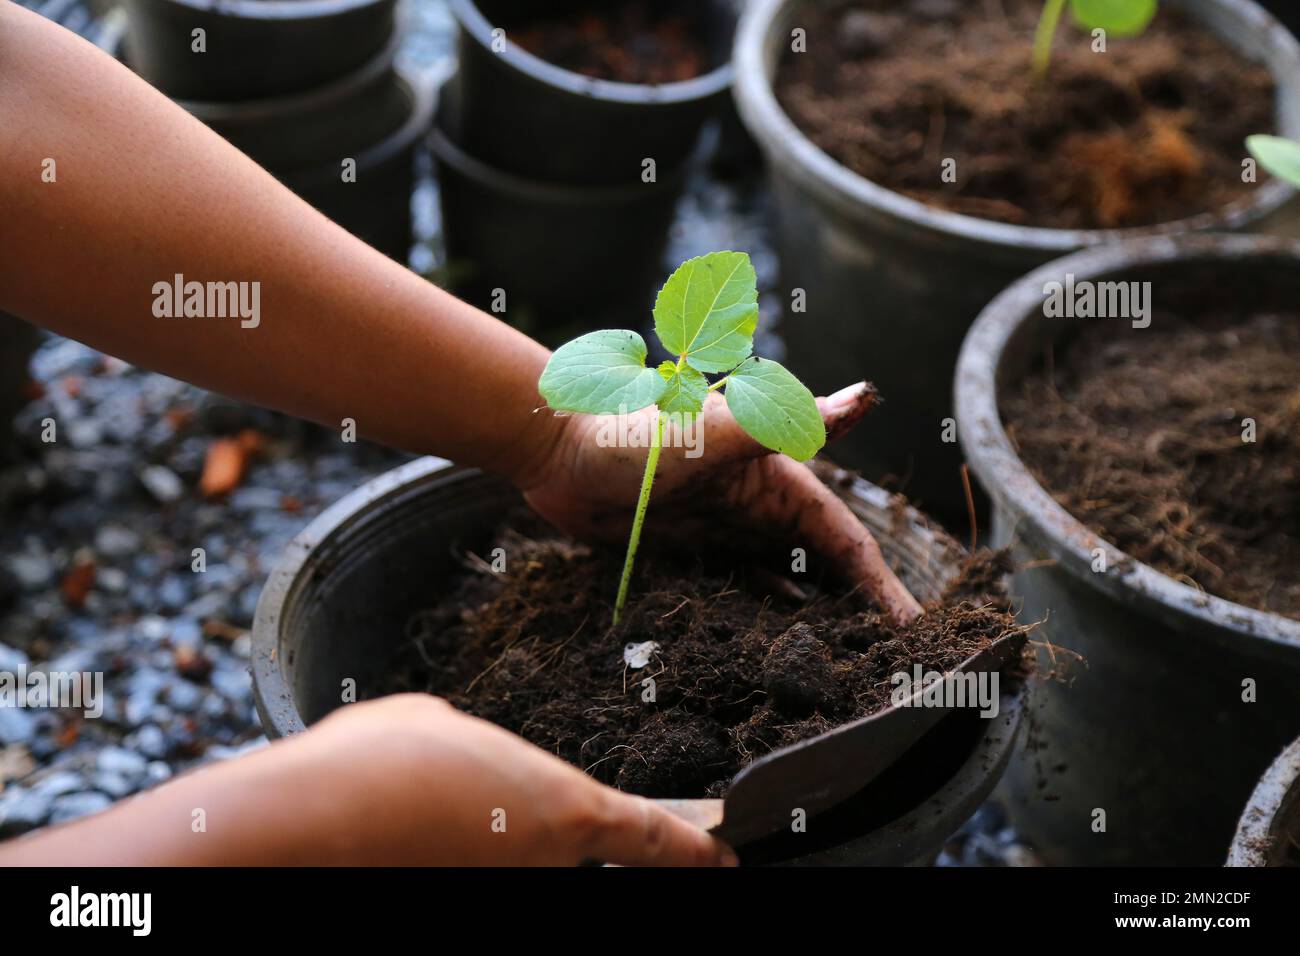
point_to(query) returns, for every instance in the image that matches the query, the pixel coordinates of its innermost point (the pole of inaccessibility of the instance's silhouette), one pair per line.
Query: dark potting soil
(1139, 435)
(633, 41)
(1148, 132)
(742, 667)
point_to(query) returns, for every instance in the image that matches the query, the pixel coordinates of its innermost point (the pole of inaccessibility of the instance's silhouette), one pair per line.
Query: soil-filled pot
(890, 284)
(526, 116)
(1269, 831)
(1180, 698)
(564, 256)
(341, 601)
(253, 49)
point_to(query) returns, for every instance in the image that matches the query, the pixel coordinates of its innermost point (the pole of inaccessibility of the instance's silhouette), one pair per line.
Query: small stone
(233, 685)
(12, 660)
(150, 741)
(17, 726)
(173, 594)
(162, 483)
(119, 760)
(184, 696)
(115, 541)
(112, 580)
(85, 433)
(23, 810)
(255, 499)
(32, 568)
(153, 628)
(186, 632)
(73, 805)
(59, 783)
(113, 784)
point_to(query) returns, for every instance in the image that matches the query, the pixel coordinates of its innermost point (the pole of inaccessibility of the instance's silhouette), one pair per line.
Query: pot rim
(476, 25)
(853, 195)
(1004, 475)
(273, 10)
(1252, 844)
(423, 106)
(274, 699)
(447, 151)
(275, 107)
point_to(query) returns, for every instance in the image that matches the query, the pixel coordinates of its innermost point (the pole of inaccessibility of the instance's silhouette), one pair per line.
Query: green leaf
(601, 373)
(708, 309)
(1121, 18)
(1279, 156)
(686, 390)
(776, 409)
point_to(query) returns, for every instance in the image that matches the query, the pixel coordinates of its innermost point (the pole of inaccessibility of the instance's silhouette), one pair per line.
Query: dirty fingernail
(845, 398)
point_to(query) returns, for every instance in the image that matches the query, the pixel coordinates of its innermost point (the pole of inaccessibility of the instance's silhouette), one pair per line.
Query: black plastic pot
(340, 599)
(567, 257)
(892, 284)
(377, 206)
(337, 119)
(18, 340)
(378, 116)
(524, 116)
(1152, 726)
(1269, 831)
(254, 48)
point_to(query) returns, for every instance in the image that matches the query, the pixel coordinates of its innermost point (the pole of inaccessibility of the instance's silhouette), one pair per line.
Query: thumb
(727, 441)
(637, 832)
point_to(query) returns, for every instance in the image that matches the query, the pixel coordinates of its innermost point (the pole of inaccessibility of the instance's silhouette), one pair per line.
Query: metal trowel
(817, 774)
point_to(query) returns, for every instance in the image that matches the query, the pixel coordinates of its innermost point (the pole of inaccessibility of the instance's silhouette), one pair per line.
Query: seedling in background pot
(705, 314)
(1279, 156)
(1121, 18)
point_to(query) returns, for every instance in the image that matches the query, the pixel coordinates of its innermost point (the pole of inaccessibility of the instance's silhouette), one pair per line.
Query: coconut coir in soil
(628, 42)
(1139, 435)
(738, 672)
(1150, 131)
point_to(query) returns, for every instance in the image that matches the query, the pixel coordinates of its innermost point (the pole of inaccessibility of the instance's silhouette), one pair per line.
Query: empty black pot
(253, 48)
(563, 255)
(525, 116)
(377, 206)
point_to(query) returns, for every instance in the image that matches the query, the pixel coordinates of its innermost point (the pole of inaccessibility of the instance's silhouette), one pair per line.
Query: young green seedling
(1279, 156)
(705, 315)
(1121, 18)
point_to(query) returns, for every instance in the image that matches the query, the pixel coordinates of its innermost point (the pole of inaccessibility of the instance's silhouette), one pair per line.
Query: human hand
(436, 785)
(403, 780)
(589, 489)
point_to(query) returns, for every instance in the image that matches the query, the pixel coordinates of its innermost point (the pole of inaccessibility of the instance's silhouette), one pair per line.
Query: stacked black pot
(557, 189)
(307, 88)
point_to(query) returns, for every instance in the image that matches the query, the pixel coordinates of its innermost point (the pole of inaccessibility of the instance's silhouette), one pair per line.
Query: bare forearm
(143, 192)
